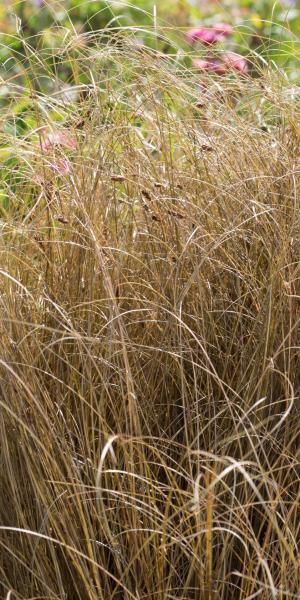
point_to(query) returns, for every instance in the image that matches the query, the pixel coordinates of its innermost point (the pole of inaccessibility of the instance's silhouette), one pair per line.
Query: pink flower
(210, 64)
(52, 144)
(235, 61)
(59, 138)
(61, 166)
(223, 29)
(204, 35)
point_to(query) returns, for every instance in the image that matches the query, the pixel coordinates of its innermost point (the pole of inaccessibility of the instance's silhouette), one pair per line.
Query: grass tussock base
(149, 349)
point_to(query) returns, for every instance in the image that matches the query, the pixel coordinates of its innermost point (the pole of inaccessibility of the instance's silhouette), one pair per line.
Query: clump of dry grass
(150, 336)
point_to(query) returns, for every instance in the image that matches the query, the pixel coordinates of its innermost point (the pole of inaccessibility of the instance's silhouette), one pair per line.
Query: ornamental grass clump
(149, 349)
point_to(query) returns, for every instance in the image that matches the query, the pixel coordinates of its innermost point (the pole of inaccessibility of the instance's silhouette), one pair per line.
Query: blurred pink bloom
(210, 64)
(235, 61)
(223, 29)
(55, 141)
(203, 35)
(59, 138)
(61, 166)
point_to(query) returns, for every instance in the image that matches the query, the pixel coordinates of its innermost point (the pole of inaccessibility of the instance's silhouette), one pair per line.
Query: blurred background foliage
(255, 21)
(34, 37)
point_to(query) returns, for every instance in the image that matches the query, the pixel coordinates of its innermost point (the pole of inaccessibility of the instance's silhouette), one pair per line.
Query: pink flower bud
(223, 29)
(235, 61)
(59, 138)
(52, 144)
(61, 166)
(210, 64)
(203, 35)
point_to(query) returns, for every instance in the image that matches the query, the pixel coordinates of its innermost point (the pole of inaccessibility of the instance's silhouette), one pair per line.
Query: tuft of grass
(149, 348)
